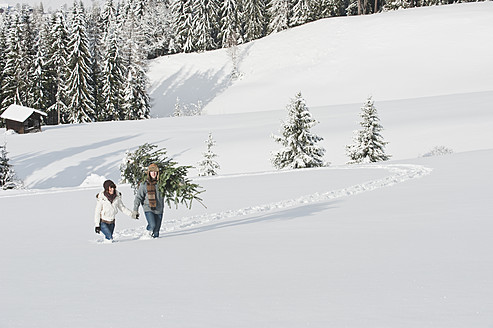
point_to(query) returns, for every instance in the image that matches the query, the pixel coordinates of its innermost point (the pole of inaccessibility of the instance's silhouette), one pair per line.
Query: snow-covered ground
(405, 243)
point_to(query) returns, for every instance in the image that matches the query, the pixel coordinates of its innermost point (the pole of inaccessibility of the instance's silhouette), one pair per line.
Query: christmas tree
(208, 166)
(300, 147)
(369, 145)
(173, 181)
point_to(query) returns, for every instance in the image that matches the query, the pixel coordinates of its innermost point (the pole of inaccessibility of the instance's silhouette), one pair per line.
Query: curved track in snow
(399, 173)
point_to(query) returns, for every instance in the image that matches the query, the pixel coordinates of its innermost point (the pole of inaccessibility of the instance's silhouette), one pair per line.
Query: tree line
(82, 65)
(76, 65)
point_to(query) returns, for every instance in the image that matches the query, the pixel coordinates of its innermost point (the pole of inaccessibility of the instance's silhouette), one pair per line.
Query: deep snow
(405, 243)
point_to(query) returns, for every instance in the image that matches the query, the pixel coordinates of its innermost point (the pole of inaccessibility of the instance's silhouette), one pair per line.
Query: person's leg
(107, 230)
(151, 221)
(158, 219)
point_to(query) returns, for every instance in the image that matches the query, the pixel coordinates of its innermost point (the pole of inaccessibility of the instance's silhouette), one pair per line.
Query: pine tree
(29, 51)
(209, 166)
(157, 29)
(300, 147)
(79, 83)
(39, 80)
(57, 63)
(255, 19)
(113, 75)
(205, 24)
(96, 34)
(301, 12)
(13, 87)
(368, 144)
(182, 25)
(2, 63)
(279, 15)
(173, 182)
(230, 25)
(7, 174)
(136, 101)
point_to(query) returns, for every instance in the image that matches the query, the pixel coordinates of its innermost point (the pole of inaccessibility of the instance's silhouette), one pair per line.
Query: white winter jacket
(106, 210)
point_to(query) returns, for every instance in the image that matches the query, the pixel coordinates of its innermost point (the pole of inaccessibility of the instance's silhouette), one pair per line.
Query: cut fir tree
(173, 182)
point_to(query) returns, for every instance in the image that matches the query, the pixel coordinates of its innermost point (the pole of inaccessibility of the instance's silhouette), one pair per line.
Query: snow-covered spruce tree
(182, 24)
(157, 30)
(14, 79)
(95, 34)
(279, 15)
(113, 75)
(136, 101)
(230, 24)
(173, 182)
(208, 165)
(39, 80)
(299, 145)
(57, 63)
(368, 144)
(79, 83)
(205, 24)
(7, 174)
(255, 19)
(2, 62)
(300, 12)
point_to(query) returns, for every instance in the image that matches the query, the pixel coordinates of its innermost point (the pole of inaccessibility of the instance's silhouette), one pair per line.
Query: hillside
(395, 55)
(398, 244)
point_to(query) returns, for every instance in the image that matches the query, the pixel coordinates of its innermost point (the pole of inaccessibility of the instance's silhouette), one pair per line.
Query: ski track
(399, 173)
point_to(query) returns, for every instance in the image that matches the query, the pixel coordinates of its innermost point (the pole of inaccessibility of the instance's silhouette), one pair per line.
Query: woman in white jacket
(109, 201)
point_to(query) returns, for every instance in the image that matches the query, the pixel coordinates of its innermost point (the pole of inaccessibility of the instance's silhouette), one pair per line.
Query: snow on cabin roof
(19, 113)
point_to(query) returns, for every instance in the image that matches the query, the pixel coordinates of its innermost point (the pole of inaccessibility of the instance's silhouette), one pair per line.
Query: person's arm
(140, 196)
(97, 213)
(122, 207)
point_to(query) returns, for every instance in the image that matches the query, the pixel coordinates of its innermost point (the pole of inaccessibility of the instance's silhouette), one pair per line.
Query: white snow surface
(403, 243)
(402, 54)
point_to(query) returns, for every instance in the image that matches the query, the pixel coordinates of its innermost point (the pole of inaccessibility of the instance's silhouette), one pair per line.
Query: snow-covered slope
(395, 55)
(405, 243)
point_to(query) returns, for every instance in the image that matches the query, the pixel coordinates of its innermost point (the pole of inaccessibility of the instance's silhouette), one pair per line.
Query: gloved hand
(97, 229)
(135, 215)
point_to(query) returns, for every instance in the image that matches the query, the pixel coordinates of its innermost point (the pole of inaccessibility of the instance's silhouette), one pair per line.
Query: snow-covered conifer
(57, 62)
(113, 77)
(279, 15)
(95, 34)
(2, 62)
(299, 145)
(14, 79)
(368, 144)
(136, 101)
(301, 12)
(255, 19)
(230, 24)
(182, 24)
(8, 179)
(208, 165)
(79, 83)
(39, 80)
(178, 109)
(205, 24)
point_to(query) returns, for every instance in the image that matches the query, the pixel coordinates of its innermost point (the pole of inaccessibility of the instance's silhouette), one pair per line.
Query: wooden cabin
(22, 119)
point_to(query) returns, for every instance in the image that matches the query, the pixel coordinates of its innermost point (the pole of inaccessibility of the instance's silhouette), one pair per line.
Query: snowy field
(405, 243)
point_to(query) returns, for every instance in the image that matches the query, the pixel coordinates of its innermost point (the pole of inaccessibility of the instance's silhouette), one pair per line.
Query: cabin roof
(19, 113)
